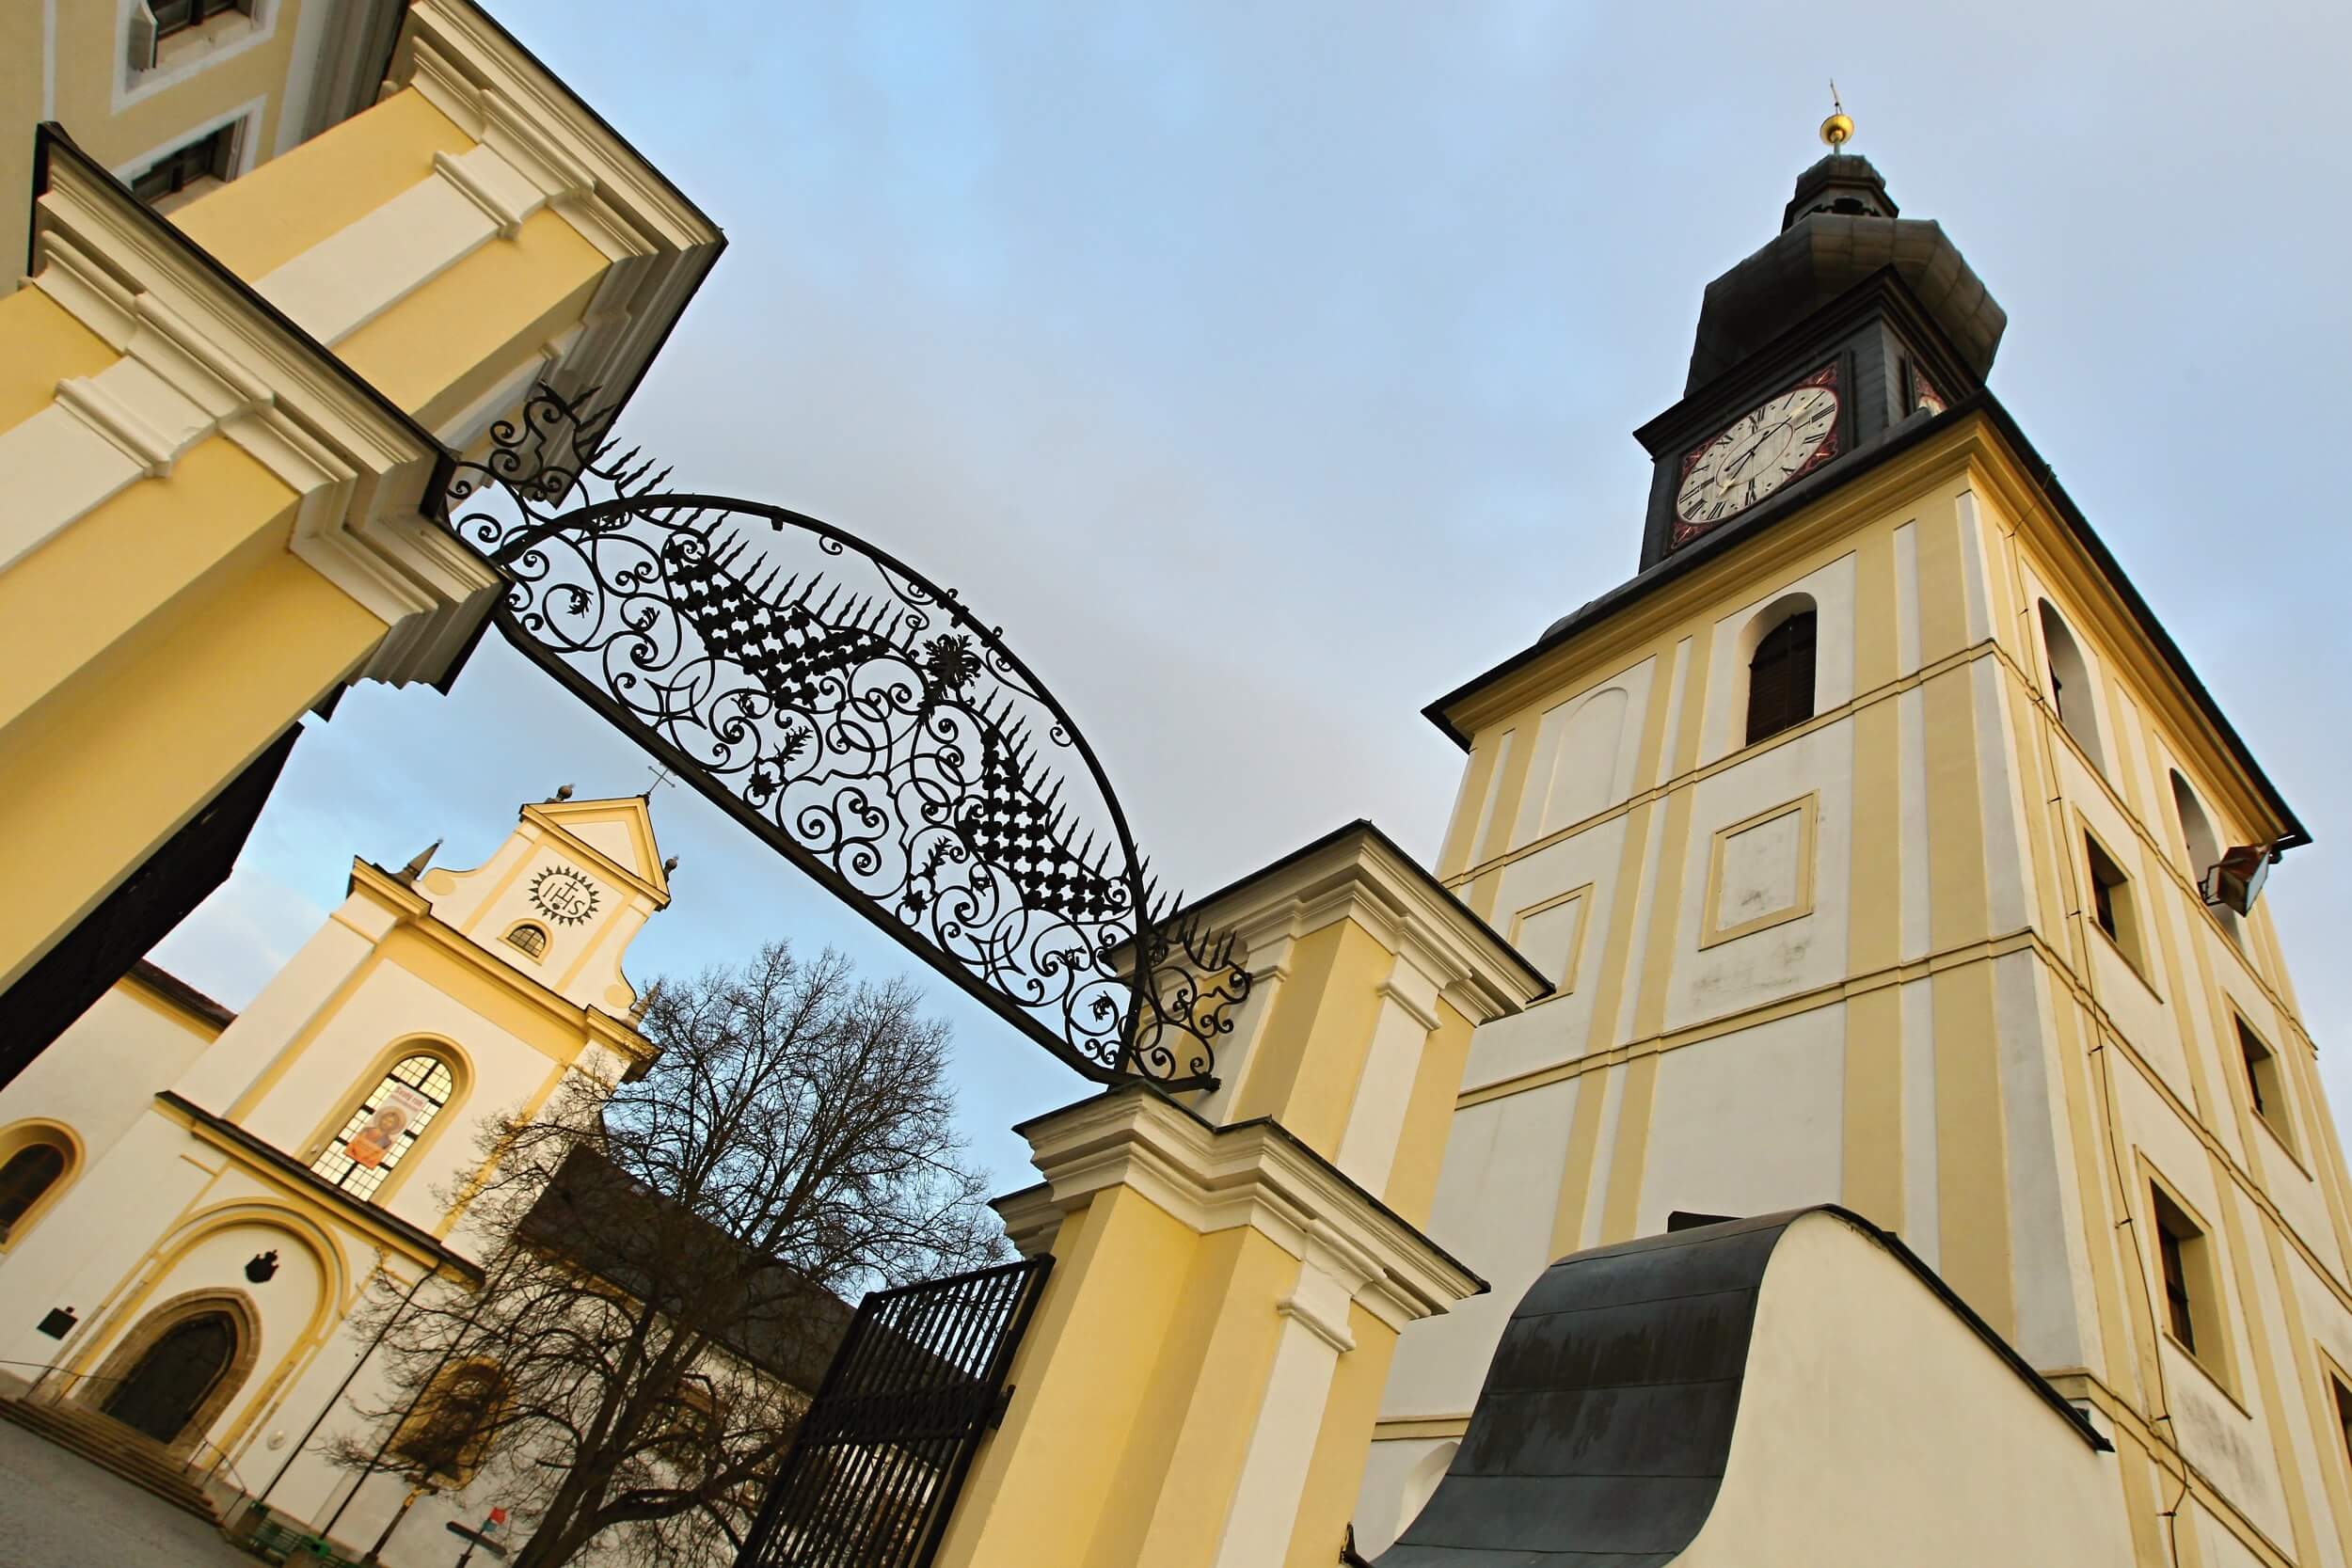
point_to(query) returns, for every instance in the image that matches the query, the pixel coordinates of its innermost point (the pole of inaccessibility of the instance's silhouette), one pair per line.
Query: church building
(1884, 852)
(194, 1203)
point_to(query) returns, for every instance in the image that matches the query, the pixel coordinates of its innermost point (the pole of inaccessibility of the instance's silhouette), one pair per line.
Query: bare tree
(666, 1261)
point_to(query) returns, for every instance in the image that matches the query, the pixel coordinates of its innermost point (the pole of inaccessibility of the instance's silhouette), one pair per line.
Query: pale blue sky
(1267, 370)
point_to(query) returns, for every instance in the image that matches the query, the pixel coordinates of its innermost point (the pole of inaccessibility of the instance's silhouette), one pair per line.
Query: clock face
(564, 894)
(1762, 451)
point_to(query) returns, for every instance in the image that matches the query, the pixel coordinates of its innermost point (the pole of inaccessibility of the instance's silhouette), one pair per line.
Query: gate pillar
(1232, 1269)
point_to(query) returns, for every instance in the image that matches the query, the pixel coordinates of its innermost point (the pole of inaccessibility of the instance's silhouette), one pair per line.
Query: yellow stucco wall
(135, 684)
(1311, 1055)
(457, 336)
(1195, 1421)
(1035, 1493)
(291, 203)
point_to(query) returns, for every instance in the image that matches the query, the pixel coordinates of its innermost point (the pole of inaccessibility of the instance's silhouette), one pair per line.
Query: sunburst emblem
(562, 894)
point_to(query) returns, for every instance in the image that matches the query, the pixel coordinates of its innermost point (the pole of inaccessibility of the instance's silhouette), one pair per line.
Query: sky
(1266, 370)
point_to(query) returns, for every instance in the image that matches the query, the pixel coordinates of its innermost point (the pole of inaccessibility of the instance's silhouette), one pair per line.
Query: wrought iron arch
(865, 724)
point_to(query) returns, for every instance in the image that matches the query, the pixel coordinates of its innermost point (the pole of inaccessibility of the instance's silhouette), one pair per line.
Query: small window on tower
(2112, 904)
(2070, 687)
(530, 938)
(2265, 1085)
(2190, 1302)
(1780, 677)
(2343, 1412)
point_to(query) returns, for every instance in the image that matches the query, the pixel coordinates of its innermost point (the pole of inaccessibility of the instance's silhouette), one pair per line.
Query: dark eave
(1911, 433)
(181, 994)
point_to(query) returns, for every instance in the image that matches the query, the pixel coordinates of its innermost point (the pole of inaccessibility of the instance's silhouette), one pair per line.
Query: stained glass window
(386, 1125)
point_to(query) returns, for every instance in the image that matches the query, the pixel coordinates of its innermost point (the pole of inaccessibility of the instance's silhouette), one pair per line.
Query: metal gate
(882, 1452)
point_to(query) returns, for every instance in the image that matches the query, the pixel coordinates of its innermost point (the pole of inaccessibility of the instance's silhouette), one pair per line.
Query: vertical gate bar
(1029, 1281)
(810, 1490)
(935, 1313)
(852, 1497)
(869, 1515)
(882, 1451)
(764, 1523)
(956, 1316)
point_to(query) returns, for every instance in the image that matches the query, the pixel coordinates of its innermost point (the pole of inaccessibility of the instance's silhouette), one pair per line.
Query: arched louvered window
(385, 1125)
(1780, 677)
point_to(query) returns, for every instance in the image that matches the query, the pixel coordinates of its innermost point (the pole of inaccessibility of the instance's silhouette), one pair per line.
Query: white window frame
(205, 46)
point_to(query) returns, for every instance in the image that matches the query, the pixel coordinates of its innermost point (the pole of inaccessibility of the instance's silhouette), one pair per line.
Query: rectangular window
(2343, 1412)
(2265, 1084)
(175, 16)
(205, 158)
(2175, 1287)
(2112, 903)
(2184, 1261)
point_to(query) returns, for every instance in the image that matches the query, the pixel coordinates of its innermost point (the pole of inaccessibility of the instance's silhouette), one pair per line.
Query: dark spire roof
(1839, 229)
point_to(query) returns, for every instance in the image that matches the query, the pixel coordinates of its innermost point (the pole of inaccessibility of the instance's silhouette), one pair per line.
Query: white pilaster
(1264, 1508)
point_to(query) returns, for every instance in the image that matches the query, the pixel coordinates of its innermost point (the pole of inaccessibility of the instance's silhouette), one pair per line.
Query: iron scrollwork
(861, 720)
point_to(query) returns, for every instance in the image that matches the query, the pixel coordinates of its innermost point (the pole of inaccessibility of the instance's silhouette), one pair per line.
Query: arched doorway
(178, 1368)
(175, 1376)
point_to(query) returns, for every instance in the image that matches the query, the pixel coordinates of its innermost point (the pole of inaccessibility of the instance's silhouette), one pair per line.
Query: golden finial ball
(1837, 130)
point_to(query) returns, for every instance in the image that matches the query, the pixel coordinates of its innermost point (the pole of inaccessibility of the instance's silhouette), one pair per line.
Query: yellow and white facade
(1861, 961)
(194, 1142)
(223, 430)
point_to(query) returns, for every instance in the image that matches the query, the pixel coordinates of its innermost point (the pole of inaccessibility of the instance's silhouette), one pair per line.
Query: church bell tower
(1865, 834)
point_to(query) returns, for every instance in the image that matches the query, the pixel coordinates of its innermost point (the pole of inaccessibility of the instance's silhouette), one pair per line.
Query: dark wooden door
(171, 1380)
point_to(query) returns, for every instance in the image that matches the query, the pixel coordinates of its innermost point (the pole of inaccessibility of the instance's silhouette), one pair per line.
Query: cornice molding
(660, 244)
(217, 358)
(1359, 874)
(1252, 1173)
(1976, 438)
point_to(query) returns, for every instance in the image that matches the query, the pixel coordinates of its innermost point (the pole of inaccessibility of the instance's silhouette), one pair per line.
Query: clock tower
(1809, 353)
(1868, 838)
